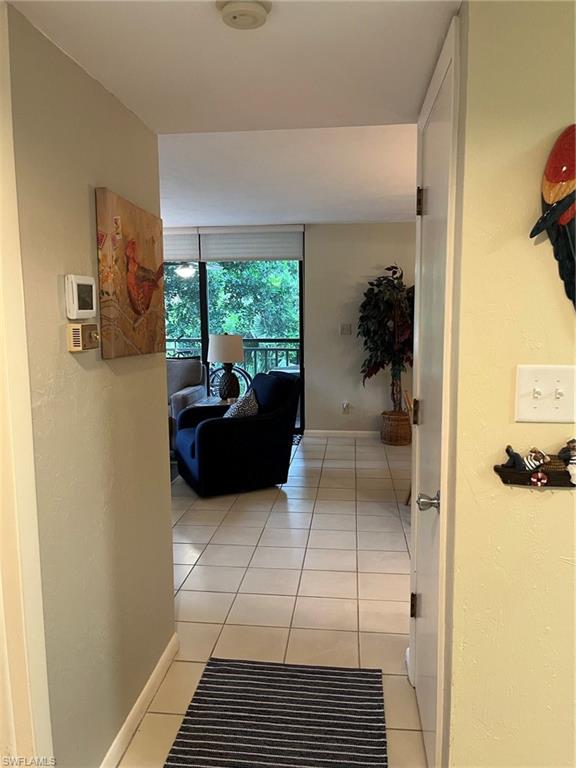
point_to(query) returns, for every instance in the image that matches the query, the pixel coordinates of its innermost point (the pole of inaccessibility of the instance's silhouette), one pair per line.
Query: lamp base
(229, 386)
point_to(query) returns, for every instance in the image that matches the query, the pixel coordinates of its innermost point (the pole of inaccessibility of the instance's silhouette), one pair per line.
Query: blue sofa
(217, 456)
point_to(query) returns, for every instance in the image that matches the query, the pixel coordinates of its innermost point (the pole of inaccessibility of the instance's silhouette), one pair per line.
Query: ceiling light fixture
(244, 14)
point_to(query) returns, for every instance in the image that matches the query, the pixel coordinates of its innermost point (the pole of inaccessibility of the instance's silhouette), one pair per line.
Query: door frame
(449, 57)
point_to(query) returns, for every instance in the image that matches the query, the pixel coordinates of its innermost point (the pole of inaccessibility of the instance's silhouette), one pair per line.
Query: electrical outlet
(346, 406)
(345, 329)
(546, 393)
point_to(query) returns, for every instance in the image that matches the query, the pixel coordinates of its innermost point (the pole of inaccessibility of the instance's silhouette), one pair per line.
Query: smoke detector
(244, 14)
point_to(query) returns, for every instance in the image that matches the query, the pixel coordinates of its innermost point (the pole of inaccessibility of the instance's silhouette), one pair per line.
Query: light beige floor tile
(402, 483)
(215, 502)
(260, 495)
(237, 535)
(186, 554)
(284, 537)
(248, 518)
(381, 540)
(330, 560)
(252, 643)
(325, 522)
(181, 503)
(176, 515)
(293, 505)
(369, 483)
(251, 505)
(289, 520)
(211, 607)
(371, 463)
(177, 688)
(336, 494)
(298, 493)
(270, 581)
(303, 471)
(262, 610)
(214, 578)
(400, 702)
(332, 540)
(180, 574)
(383, 586)
(196, 640)
(152, 741)
(311, 463)
(377, 508)
(334, 481)
(302, 482)
(383, 562)
(325, 613)
(226, 554)
(193, 534)
(339, 464)
(375, 494)
(377, 473)
(179, 488)
(386, 616)
(278, 557)
(379, 523)
(322, 647)
(405, 749)
(328, 584)
(335, 507)
(385, 652)
(202, 517)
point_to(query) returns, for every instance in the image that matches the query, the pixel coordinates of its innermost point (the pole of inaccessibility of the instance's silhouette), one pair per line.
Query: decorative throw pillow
(247, 405)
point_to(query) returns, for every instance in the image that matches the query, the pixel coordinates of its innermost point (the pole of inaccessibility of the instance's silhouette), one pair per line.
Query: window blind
(252, 244)
(181, 245)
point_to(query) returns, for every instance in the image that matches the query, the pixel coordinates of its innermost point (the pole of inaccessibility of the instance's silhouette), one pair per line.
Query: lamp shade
(225, 348)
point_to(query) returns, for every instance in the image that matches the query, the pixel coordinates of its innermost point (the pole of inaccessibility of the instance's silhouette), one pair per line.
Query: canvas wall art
(130, 269)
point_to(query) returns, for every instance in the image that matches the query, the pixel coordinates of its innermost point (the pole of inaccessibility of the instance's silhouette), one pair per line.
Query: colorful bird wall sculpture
(559, 207)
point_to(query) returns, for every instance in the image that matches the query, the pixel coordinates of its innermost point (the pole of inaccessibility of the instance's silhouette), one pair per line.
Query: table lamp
(226, 349)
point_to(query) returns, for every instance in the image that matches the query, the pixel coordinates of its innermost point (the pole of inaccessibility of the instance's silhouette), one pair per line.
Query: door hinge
(413, 605)
(416, 411)
(420, 201)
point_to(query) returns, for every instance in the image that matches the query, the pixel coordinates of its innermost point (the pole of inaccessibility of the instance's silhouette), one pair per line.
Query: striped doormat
(248, 713)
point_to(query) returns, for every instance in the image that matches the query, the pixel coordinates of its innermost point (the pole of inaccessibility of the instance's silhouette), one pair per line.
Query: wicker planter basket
(396, 428)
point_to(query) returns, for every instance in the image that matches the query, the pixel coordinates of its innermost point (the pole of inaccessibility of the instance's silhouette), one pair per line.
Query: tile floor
(314, 572)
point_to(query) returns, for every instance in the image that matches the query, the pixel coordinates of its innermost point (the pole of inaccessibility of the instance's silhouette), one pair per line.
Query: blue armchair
(217, 456)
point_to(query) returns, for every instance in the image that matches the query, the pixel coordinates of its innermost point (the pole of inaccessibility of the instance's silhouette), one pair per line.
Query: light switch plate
(546, 393)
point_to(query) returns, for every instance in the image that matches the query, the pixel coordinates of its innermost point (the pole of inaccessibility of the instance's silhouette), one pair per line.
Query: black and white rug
(248, 713)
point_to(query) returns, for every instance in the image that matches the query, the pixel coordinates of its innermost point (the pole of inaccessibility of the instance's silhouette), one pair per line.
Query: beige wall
(339, 261)
(100, 432)
(513, 622)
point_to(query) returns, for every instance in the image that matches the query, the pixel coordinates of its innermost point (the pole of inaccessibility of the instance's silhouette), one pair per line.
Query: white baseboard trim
(128, 729)
(340, 433)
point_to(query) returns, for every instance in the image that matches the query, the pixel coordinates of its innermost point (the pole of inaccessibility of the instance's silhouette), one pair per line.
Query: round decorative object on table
(539, 479)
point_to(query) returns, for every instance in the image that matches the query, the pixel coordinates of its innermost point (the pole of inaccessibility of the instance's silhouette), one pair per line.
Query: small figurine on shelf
(568, 456)
(533, 460)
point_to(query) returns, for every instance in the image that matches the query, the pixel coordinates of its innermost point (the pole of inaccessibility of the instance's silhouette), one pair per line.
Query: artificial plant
(386, 325)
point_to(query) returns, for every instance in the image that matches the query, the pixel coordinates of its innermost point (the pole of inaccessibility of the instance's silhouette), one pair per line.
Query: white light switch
(546, 393)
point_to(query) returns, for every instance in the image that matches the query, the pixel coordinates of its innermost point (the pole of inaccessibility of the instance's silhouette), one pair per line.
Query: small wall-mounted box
(82, 336)
(80, 297)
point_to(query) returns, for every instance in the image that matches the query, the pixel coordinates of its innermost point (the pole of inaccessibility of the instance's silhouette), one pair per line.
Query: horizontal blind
(181, 245)
(252, 245)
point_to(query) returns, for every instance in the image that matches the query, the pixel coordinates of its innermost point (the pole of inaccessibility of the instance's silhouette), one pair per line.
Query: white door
(437, 132)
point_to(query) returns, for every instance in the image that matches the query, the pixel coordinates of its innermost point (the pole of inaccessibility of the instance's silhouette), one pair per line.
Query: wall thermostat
(80, 297)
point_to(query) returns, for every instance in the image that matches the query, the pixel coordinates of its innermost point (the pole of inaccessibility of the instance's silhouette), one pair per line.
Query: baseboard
(128, 729)
(340, 433)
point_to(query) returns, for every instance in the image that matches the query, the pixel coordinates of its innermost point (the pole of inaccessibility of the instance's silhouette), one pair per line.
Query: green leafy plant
(386, 325)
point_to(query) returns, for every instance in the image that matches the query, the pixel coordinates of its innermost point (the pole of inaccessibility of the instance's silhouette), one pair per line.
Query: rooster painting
(131, 270)
(559, 207)
(141, 282)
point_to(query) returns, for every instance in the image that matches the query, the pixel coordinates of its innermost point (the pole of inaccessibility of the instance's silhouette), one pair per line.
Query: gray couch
(186, 385)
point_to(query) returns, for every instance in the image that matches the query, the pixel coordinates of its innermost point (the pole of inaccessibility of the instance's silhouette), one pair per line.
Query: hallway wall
(99, 427)
(513, 618)
(340, 259)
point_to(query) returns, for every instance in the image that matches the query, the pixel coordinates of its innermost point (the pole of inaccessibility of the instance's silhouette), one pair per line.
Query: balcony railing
(260, 355)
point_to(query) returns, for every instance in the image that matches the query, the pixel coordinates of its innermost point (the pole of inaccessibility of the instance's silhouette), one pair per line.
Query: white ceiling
(313, 64)
(294, 176)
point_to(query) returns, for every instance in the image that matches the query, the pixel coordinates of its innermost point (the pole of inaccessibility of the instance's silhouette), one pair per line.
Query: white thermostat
(80, 297)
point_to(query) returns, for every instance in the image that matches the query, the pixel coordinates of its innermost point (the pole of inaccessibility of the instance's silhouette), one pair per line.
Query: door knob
(427, 502)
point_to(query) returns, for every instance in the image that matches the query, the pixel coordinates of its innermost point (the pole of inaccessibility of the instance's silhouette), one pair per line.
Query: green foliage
(386, 325)
(257, 299)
